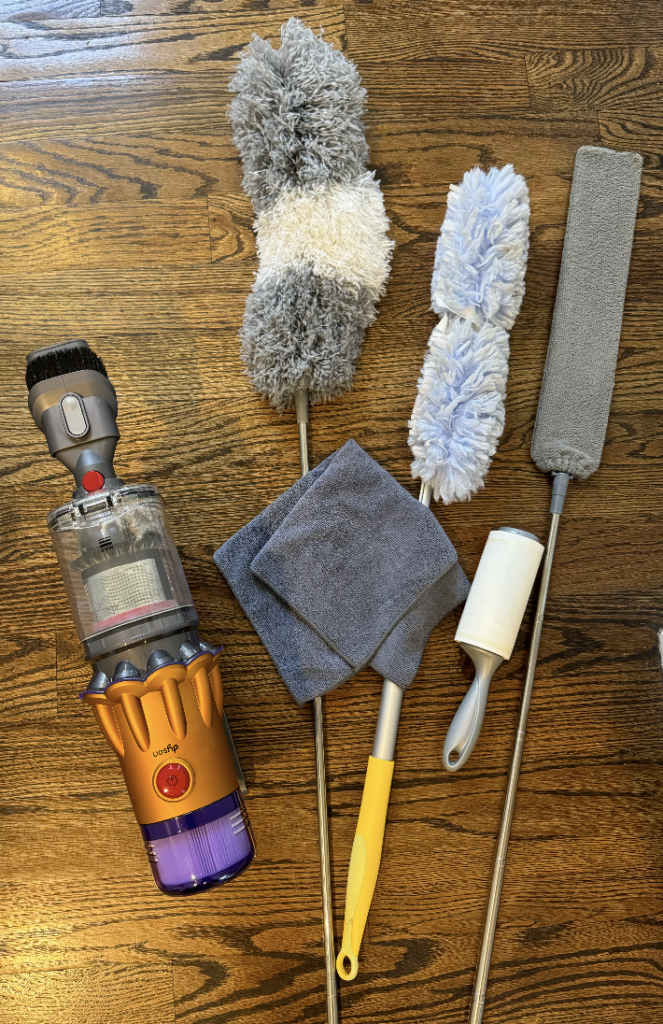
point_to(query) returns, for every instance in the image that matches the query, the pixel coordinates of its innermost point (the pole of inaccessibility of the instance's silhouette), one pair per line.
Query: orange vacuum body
(156, 686)
(167, 731)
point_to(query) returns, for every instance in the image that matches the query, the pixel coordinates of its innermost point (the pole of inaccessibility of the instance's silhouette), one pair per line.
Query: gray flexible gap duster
(320, 220)
(574, 405)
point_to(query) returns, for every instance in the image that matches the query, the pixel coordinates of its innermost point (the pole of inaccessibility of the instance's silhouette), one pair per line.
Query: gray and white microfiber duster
(324, 260)
(477, 290)
(320, 220)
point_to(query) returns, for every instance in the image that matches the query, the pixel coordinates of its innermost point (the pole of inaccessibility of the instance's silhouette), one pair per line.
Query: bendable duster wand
(457, 420)
(324, 260)
(574, 404)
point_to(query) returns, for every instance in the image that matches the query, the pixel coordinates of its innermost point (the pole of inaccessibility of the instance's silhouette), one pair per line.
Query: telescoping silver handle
(369, 836)
(301, 407)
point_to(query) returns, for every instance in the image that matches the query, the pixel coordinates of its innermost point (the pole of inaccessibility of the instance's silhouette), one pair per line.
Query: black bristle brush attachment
(71, 356)
(74, 404)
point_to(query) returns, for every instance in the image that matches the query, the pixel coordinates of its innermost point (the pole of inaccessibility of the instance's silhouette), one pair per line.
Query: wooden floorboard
(170, 165)
(198, 43)
(122, 220)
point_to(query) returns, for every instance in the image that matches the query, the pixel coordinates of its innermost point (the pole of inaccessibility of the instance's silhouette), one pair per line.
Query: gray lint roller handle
(489, 626)
(574, 404)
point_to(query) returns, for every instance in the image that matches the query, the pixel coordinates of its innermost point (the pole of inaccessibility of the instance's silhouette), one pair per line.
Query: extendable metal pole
(301, 406)
(391, 701)
(369, 837)
(481, 982)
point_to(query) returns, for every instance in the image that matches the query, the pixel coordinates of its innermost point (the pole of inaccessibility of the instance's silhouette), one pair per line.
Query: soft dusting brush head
(320, 220)
(46, 363)
(574, 406)
(477, 288)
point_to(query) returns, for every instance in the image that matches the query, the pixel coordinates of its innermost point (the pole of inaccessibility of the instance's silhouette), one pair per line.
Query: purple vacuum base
(196, 851)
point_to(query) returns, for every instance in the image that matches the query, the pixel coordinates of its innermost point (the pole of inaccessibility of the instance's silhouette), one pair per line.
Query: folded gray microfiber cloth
(346, 569)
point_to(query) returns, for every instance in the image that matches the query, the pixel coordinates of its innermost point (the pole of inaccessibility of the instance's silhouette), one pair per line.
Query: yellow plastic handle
(364, 862)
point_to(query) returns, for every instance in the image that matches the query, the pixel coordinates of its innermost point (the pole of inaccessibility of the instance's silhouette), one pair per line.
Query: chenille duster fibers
(324, 259)
(320, 222)
(458, 416)
(477, 289)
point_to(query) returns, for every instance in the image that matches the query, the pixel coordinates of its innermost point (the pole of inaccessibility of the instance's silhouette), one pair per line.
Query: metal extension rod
(481, 981)
(371, 824)
(391, 701)
(301, 406)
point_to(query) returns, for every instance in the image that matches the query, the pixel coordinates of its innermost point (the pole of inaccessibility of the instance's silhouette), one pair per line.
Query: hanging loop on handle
(365, 862)
(369, 837)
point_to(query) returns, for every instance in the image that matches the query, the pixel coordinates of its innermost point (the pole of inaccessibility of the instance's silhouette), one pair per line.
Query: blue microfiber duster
(477, 289)
(458, 417)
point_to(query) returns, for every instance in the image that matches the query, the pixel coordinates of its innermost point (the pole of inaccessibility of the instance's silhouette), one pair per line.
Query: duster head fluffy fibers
(321, 225)
(477, 288)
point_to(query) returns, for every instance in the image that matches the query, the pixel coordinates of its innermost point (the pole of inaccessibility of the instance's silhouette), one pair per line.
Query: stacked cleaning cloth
(320, 219)
(345, 569)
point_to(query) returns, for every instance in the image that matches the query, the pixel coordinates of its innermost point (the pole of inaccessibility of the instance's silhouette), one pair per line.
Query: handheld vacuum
(156, 687)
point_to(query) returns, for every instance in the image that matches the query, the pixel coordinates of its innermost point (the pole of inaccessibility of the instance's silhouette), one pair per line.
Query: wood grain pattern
(606, 79)
(199, 43)
(122, 220)
(438, 148)
(35, 10)
(56, 107)
(486, 77)
(170, 166)
(84, 994)
(126, 8)
(88, 237)
(27, 692)
(643, 133)
(420, 29)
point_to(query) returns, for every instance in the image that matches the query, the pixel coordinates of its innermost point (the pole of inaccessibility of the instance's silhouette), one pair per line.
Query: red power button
(173, 781)
(93, 481)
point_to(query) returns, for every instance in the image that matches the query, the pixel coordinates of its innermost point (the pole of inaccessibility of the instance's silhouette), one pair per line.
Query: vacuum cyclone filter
(156, 687)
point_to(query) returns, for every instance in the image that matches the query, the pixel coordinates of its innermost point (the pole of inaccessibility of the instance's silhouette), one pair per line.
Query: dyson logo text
(173, 750)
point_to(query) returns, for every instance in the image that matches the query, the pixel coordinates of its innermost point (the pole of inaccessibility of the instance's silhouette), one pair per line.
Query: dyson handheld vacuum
(156, 688)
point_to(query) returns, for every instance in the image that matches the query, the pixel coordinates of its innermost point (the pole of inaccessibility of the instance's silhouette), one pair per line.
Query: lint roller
(489, 626)
(156, 687)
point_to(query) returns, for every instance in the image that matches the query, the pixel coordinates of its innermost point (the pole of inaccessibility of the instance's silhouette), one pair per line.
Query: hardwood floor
(122, 220)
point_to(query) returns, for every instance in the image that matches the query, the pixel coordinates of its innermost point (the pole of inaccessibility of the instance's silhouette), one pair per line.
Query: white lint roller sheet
(502, 585)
